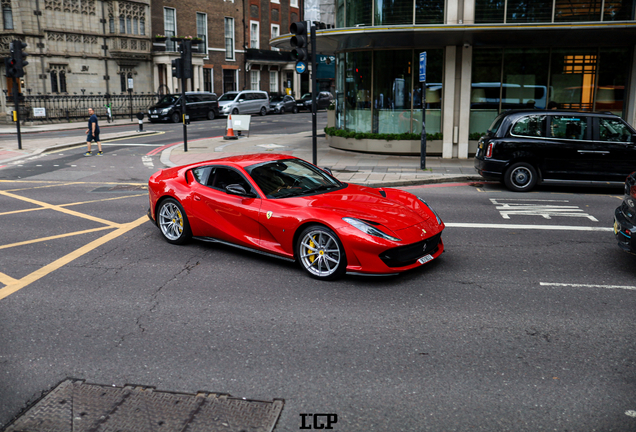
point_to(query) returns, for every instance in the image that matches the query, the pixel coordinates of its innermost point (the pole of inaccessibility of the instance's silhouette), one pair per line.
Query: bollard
(140, 116)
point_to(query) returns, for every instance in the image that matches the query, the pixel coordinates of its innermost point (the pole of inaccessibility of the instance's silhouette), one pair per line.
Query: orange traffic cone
(230, 131)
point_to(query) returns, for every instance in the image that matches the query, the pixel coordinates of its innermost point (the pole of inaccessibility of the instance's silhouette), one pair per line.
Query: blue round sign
(301, 67)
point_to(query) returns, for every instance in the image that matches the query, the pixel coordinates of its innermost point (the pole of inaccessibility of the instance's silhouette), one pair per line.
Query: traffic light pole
(16, 99)
(314, 84)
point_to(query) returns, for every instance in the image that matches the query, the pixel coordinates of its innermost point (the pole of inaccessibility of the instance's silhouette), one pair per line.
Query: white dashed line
(626, 287)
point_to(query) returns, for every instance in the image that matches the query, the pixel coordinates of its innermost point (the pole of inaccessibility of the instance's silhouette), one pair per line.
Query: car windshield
(277, 99)
(291, 177)
(168, 100)
(227, 97)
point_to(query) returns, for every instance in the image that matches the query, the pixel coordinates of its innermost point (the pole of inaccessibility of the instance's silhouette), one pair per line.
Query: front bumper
(622, 226)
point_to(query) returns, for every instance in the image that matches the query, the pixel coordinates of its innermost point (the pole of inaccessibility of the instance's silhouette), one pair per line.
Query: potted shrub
(160, 38)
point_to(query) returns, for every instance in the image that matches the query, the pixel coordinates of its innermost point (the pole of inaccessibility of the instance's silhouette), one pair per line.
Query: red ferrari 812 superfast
(286, 207)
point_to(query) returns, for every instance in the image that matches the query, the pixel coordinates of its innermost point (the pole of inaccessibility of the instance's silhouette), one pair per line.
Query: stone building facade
(79, 46)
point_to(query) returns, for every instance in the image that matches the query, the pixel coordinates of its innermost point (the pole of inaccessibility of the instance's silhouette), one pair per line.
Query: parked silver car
(283, 103)
(244, 102)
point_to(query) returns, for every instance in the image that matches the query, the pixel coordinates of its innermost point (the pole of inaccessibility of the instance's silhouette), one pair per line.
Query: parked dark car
(198, 105)
(524, 148)
(625, 217)
(323, 100)
(283, 103)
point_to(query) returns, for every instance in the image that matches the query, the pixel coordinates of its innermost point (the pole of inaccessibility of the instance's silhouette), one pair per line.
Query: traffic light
(9, 67)
(299, 41)
(18, 57)
(176, 68)
(186, 58)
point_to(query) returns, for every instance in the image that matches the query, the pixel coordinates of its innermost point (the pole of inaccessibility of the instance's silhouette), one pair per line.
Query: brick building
(234, 53)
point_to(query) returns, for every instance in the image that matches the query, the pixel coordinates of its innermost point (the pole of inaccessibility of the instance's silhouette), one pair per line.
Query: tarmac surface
(355, 167)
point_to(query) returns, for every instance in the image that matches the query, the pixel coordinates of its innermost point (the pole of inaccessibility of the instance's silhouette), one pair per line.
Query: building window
(111, 24)
(255, 80)
(275, 33)
(58, 78)
(122, 25)
(7, 15)
(273, 82)
(123, 78)
(202, 32)
(142, 26)
(254, 34)
(358, 12)
(170, 27)
(207, 80)
(229, 38)
(393, 12)
(54, 87)
(531, 11)
(135, 26)
(429, 11)
(293, 3)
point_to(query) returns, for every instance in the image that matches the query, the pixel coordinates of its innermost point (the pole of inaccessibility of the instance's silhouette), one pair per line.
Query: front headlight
(165, 111)
(439, 221)
(368, 229)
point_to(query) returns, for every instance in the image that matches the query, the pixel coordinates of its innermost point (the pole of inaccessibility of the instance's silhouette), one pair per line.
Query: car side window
(202, 174)
(530, 126)
(568, 127)
(223, 177)
(613, 129)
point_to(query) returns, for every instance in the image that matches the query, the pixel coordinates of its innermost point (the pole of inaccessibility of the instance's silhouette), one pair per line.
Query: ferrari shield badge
(269, 214)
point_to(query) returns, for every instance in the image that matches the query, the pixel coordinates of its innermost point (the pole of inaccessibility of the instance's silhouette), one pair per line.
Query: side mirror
(241, 100)
(237, 189)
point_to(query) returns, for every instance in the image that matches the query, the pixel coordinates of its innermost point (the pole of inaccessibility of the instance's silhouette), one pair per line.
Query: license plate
(617, 227)
(154, 116)
(425, 259)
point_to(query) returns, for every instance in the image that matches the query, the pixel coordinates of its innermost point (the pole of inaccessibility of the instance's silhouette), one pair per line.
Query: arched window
(122, 25)
(63, 82)
(128, 26)
(111, 24)
(135, 26)
(142, 26)
(7, 15)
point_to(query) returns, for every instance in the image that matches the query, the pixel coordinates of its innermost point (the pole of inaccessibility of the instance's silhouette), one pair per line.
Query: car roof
(522, 112)
(243, 160)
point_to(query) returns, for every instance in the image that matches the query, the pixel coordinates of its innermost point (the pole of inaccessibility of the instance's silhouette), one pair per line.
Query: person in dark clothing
(92, 133)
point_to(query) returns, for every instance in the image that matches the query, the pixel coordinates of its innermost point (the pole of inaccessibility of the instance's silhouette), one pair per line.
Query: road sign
(423, 66)
(301, 67)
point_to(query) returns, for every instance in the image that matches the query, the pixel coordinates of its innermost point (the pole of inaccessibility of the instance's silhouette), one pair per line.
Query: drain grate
(75, 406)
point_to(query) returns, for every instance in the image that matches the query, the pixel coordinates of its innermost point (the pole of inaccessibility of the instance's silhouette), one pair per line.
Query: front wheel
(521, 177)
(173, 222)
(211, 115)
(320, 253)
(235, 111)
(263, 111)
(295, 110)
(282, 111)
(175, 117)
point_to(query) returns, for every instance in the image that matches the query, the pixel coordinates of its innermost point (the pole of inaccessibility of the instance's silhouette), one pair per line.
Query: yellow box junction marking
(13, 285)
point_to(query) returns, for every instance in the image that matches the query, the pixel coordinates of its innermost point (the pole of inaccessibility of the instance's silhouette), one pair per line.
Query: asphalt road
(526, 323)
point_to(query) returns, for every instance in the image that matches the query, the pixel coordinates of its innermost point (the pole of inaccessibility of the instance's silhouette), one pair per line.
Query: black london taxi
(625, 217)
(525, 147)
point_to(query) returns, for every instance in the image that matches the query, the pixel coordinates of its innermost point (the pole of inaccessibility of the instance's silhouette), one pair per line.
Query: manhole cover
(121, 188)
(75, 406)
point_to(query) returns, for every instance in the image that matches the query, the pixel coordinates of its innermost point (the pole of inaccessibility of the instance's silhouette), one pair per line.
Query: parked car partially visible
(283, 103)
(198, 105)
(244, 102)
(323, 100)
(526, 147)
(625, 217)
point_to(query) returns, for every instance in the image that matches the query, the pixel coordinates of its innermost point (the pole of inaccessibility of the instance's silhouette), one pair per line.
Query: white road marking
(147, 160)
(521, 227)
(221, 147)
(627, 287)
(630, 413)
(132, 145)
(269, 146)
(534, 207)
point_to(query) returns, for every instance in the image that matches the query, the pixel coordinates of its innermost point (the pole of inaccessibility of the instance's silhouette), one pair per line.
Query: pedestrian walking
(92, 133)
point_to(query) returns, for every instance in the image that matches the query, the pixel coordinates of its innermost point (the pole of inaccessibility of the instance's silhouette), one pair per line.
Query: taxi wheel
(320, 253)
(521, 177)
(173, 222)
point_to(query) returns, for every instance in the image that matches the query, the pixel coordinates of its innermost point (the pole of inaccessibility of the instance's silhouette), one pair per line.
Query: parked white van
(244, 102)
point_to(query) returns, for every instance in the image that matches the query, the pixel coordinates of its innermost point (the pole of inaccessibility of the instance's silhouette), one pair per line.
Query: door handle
(197, 198)
(592, 151)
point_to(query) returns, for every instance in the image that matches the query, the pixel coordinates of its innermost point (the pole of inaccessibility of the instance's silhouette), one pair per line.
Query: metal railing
(61, 108)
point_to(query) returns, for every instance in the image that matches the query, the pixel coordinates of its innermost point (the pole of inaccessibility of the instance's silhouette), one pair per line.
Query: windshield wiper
(319, 188)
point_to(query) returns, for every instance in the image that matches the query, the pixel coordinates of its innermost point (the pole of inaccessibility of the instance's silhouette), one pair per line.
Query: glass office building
(483, 57)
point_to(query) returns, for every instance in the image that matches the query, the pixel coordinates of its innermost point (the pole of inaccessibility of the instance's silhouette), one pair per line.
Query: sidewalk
(360, 168)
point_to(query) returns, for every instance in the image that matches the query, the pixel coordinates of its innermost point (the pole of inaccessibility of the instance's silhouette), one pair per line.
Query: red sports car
(286, 207)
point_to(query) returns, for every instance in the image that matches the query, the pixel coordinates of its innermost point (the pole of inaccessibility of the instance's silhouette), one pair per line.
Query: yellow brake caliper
(311, 257)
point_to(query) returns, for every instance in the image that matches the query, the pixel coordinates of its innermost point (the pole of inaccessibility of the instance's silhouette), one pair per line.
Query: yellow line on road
(61, 182)
(41, 187)
(71, 204)
(44, 271)
(39, 240)
(60, 209)
(6, 279)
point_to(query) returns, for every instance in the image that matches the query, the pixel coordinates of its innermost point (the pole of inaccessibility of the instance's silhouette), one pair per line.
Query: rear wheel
(295, 110)
(175, 117)
(211, 115)
(282, 110)
(263, 111)
(521, 177)
(173, 222)
(320, 253)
